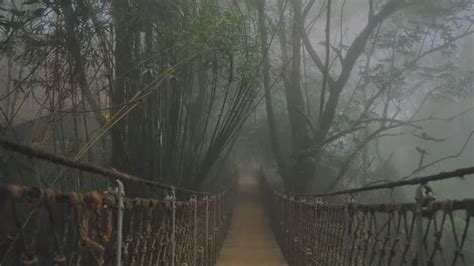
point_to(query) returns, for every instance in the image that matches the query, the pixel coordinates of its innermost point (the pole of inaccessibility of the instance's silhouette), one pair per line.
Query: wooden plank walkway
(250, 241)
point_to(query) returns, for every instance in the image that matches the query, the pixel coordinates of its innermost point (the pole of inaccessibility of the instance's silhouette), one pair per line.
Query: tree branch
(326, 63)
(315, 57)
(359, 43)
(461, 151)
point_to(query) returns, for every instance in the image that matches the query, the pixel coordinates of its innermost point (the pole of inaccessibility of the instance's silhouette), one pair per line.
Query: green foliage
(195, 60)
(209, 88)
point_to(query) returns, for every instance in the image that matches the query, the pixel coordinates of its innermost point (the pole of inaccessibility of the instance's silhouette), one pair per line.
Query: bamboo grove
(161, 88)
(158, 88)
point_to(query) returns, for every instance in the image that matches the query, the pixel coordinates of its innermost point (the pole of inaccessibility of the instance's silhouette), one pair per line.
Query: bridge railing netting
(80, 228)
(42, 226)
(319, 230)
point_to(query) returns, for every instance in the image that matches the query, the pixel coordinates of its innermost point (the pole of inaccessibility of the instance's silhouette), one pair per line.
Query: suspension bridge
(250, 223)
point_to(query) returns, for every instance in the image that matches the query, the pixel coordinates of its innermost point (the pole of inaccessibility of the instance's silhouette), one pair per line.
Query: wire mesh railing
(322, 230)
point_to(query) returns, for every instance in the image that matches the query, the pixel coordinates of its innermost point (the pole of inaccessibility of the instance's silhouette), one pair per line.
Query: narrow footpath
(250, 241)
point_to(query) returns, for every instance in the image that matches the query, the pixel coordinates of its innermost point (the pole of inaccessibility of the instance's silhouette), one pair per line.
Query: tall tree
(264, 47)
(312, 141)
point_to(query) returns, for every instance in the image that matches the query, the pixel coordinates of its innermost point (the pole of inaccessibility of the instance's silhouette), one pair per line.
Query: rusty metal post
(214, 224)
(291, 243)
(195, 225)
(282, 221)
(301, 232)
(217, 225)
(419, 226)
(173, 230)
(286, 232)
(120, 207)
(206, 248)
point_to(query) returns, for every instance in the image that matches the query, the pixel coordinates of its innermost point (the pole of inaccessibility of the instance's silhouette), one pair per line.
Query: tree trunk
(268, 95)
(123, 61)
(302, 169)
(74, 48)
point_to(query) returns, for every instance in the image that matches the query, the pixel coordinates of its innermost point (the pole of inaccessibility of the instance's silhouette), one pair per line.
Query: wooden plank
(250, 241)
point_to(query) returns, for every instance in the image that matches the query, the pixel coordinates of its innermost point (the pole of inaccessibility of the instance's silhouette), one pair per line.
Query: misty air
(236, 132)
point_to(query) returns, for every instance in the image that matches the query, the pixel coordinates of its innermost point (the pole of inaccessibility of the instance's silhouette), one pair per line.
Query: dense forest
(143, 122)
(329, 94)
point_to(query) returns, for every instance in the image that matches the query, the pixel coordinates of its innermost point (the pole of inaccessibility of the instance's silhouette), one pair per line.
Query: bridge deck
(250, 241)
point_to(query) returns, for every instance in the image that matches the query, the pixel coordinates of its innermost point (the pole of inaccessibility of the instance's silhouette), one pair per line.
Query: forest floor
(250, 241)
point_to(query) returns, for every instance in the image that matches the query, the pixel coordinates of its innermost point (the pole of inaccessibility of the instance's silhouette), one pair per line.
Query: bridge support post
(291, 239)
(206, 249)
(214, 229)
(173, 226)
(419, 226)
(120, 207)
(301, 243)
(283, 224)
(195, 221)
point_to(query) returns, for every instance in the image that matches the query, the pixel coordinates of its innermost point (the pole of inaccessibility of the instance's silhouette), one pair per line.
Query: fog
(316, 96)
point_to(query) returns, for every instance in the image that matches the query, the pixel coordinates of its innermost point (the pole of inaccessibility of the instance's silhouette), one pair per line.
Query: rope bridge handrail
(40, 226)
(311, 231)
(110, 174)
(80, 229)
(461, 172)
